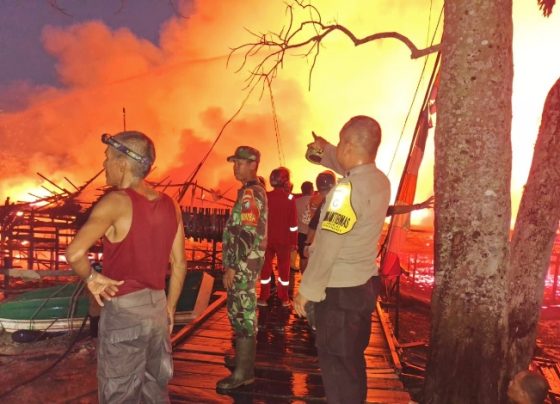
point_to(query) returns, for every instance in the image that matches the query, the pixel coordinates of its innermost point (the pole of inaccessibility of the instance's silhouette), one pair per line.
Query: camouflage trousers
(242, 304)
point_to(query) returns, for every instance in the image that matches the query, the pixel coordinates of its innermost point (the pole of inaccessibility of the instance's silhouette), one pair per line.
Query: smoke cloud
(180, 92)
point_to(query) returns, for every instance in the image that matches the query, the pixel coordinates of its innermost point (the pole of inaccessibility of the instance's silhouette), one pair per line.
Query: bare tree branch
(176, 8)
(121, 7)
(54, 4)
(122, 4)
(546, 6)
(294, 36)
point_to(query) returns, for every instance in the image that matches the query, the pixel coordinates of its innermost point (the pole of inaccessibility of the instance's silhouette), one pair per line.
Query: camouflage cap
(245, 153)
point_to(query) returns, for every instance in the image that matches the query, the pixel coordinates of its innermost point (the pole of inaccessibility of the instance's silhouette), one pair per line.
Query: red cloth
(141, 259)
(391, 265)
(282, 218)
(396, 235)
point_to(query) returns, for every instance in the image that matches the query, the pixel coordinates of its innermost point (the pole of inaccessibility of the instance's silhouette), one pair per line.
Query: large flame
(180, 92)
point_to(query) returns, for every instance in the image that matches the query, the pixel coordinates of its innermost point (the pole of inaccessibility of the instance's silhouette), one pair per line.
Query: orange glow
(38, 204)
(23, 189)
(180, 92)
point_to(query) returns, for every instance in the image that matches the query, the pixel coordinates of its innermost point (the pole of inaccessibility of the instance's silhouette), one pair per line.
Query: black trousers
(301, 239)
(343, 330)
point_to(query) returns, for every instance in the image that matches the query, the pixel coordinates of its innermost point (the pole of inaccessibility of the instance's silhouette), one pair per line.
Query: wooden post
(56, 252)
(31, 249)
(7, 265)
(214, 252)
(414, 268)
(397, 307)
(555, 283)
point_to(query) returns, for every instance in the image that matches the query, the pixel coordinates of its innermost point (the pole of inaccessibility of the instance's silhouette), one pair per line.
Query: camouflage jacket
(244, 238)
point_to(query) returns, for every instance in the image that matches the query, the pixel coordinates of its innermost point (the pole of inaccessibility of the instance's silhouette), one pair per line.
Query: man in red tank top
(142, 232)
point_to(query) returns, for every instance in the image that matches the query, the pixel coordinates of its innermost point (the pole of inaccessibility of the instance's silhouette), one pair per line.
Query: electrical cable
(415, 95)
(281, 158)
(183, 190)
(51, 366)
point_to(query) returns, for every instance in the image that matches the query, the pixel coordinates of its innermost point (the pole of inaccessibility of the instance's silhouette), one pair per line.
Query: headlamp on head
(111, 141)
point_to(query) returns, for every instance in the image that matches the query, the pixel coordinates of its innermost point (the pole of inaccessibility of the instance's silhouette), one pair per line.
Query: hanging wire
(429, 22)
(281, 158)
(415, 93)
(183, 190)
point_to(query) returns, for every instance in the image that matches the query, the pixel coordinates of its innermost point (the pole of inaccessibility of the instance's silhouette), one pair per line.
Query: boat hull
(56, 308)
(64, 307)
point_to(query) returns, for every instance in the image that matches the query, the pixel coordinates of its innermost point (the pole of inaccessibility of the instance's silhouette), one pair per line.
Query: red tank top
(141, 259)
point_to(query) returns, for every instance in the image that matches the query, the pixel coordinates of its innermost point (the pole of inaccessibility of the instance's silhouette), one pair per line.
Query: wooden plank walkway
(287, 369)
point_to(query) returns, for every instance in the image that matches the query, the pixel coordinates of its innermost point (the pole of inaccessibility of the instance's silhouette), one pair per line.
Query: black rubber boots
(244, 372)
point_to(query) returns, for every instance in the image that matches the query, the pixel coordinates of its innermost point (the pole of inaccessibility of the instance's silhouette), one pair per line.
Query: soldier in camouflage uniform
(244, 243)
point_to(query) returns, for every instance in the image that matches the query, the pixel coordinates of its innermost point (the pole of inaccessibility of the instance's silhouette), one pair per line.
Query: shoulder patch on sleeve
(340, 216)
(249, 209)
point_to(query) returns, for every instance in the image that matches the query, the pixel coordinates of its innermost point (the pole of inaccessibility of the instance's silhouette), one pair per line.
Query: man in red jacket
(282, 236)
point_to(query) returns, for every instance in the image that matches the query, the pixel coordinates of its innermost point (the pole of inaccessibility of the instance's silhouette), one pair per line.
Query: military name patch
(249, 209)
(340, 217)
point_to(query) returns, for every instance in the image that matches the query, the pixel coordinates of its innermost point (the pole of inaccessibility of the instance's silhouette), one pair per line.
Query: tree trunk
(472, 212)
(533, 237)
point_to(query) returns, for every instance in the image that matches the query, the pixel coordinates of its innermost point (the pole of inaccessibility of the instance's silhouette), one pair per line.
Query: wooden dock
(287, 369)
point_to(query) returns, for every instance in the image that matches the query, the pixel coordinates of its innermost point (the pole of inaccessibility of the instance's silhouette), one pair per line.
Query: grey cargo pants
(134, 360)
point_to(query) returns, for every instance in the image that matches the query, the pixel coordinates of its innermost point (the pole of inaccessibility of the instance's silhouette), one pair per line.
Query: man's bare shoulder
(114, 201)
(178, 210)
(116, 196)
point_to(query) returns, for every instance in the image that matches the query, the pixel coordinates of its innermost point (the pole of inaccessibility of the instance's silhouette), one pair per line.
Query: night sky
(21, 24)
